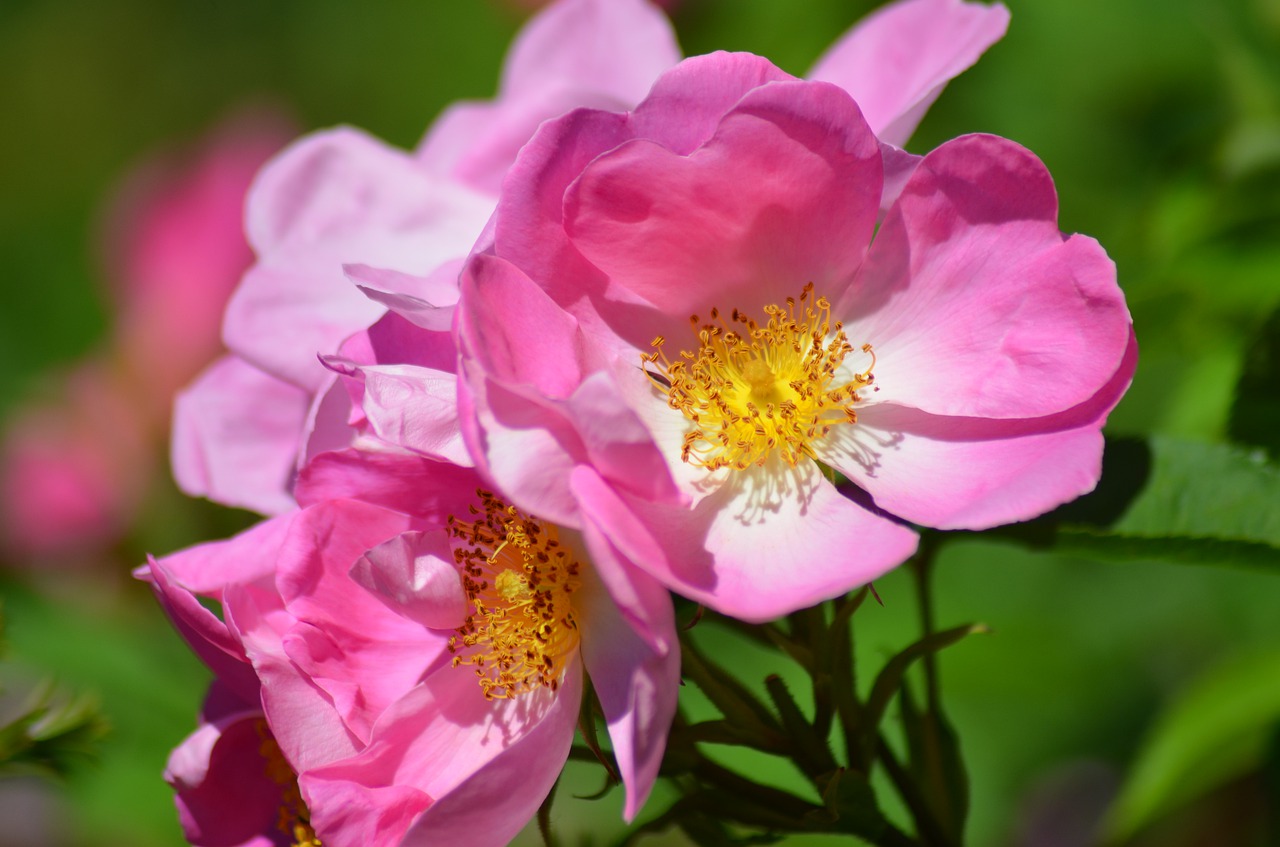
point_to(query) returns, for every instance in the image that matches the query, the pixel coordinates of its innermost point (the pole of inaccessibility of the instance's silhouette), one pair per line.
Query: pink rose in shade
(417, 648)
(343, 226)
(688, 318)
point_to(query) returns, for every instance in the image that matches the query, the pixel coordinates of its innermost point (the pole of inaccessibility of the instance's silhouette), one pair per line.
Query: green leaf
(1171, 500)
(1216, 730)
(1255, 414)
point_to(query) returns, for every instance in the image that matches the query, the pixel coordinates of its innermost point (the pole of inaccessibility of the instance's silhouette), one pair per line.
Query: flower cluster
(638, 325)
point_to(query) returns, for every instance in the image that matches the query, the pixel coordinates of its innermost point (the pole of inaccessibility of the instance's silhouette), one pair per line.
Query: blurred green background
(1161, 124)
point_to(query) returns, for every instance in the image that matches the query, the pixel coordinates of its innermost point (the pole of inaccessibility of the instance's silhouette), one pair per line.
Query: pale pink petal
(431, 304)
(636, 682)
(974, 303)
(617, 443)
(785, 193)
(236, 437)
(413, 408)
(599, 53)
(896, 61)
(972, 473)
(764, 543)
(333, 199)
(489, 775)
(327, 426)
(415, 575)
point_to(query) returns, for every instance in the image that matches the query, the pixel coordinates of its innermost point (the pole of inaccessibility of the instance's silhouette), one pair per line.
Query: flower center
(518, 579)
(751, 390)
(295, 819)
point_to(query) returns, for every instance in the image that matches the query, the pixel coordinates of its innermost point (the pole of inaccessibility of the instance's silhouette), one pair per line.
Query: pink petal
(636, 683)
(516, 331)
(431, 304)
(335, 199)
(409, 484)
(785, 193)
(415, 575)
(599, 53)
(361, 653)
(302, 717)
(766, 542)
(974, 302)
(210, 638)
(490, 775)
(687, 103)
(896, 61)
(236, 433)
(413, 408)
(970, 473)
(224, 795)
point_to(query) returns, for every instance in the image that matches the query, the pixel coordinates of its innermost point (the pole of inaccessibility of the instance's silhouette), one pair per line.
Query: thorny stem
(922, 569)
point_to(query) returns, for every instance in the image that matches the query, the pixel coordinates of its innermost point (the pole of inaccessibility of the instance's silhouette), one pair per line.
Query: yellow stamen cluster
(518, 578)
(752, 390)
(295, 818)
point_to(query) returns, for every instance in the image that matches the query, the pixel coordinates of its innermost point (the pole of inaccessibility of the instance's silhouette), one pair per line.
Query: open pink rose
(417, 648)
(344, 226)
(699, 291)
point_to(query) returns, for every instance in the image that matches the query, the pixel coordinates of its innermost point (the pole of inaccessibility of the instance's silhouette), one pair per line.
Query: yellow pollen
(294, 817)
(518, 578)
(752, 390)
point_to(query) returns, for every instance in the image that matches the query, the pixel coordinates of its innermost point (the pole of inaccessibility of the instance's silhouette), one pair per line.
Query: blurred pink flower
(73, 468)
(417, 650)
(684, 317)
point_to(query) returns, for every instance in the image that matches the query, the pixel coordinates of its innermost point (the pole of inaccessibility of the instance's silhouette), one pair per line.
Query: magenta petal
(636, 683)
(785, 193)
(415, 575)
(974, 302)
(896, 61)
(410, 484)
(236, 433)
(597, 53)
(971, 473)
(231, 801)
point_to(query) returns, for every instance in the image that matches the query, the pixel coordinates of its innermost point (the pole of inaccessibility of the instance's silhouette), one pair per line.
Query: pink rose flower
(417, 648)
(344, 226)
(689, 316)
